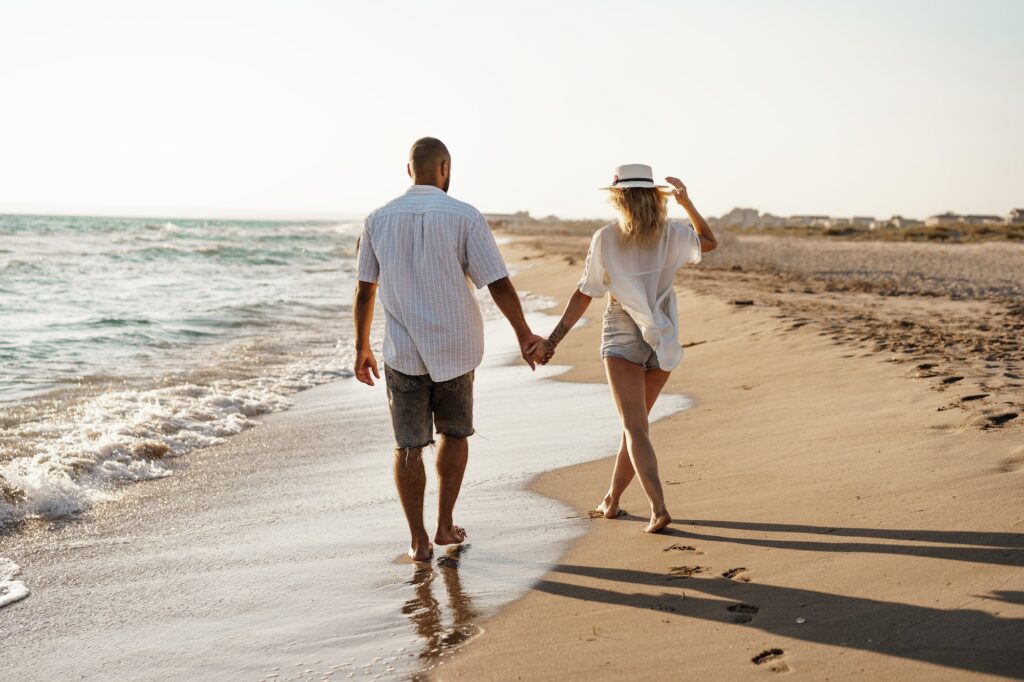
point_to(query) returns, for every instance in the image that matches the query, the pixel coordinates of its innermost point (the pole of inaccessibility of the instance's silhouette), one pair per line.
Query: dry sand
(833, 518)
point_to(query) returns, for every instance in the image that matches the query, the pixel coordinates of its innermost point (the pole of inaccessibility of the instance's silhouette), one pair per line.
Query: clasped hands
(536, 350)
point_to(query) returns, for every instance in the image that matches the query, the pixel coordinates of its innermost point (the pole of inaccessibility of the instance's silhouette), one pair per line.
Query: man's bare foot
(450, 535)
(421, 549)
(658, 521)
(609, 507)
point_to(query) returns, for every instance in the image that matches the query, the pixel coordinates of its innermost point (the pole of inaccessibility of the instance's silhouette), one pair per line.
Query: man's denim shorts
(419, 404)
(621, 338)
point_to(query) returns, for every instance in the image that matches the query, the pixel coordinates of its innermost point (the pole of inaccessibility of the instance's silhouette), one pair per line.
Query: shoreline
(847, 531)
(279, 553)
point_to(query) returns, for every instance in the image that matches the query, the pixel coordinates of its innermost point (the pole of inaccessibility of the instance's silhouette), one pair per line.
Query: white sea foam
(124, 436)
(11, 590)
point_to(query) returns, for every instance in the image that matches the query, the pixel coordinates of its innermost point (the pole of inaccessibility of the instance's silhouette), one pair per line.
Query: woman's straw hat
(634, 175)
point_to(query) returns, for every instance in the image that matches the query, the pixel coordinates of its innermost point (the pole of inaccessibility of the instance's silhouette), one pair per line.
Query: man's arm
(362, 312)
(507, 300)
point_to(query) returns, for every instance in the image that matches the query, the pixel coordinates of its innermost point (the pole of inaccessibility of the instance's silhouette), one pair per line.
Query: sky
(308, 108)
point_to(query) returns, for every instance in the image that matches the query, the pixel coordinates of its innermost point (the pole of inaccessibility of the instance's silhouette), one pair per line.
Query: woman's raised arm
(707, 237)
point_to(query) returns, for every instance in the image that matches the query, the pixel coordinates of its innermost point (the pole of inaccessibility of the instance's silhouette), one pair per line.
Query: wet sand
(834, 517)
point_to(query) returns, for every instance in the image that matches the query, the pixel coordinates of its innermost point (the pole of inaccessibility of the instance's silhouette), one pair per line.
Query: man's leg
(452, 455)
(411, 480)
(452, 403)
(409, 400)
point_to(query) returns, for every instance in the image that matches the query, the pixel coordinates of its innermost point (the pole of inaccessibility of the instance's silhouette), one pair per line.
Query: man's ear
(408, 169)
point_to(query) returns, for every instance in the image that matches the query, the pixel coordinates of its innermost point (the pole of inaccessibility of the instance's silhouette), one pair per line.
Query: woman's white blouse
(640, 278)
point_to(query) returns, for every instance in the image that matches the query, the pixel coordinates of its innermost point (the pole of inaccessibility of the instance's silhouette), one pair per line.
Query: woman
(635, 261)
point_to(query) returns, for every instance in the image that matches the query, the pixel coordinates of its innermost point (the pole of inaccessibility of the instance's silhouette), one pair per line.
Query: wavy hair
(643, 213)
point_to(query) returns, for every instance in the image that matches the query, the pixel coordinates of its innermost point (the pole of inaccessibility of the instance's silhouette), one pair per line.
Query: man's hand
(366, 363)
(679, 190)
(542, 352)
(527, 344)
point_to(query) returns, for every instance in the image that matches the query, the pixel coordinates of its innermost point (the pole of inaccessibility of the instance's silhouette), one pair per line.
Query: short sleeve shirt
(426, 251)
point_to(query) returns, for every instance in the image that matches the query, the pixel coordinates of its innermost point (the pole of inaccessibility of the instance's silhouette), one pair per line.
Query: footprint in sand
(744, 612)
(737, 574)
(682, 548)
(999, 419)
(772, 659)
(683, 572)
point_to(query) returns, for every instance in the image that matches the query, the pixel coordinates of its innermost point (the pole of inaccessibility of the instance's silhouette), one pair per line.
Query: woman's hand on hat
(678, 189)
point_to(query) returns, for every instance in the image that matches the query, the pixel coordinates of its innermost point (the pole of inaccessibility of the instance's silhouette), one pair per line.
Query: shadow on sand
(960, 638)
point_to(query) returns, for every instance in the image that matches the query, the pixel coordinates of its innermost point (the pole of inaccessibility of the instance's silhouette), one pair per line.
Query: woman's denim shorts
(621, 338)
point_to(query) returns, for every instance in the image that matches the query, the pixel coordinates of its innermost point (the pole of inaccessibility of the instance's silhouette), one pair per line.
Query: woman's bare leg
(622, 474)
(629, 386)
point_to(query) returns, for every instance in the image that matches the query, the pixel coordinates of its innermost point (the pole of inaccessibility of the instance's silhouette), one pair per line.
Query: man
(421, 249)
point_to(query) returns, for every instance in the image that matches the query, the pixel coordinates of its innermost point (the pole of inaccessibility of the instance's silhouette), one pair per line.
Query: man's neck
(428, 183)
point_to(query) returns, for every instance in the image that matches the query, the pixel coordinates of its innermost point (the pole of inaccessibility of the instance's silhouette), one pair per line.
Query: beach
(839, 512)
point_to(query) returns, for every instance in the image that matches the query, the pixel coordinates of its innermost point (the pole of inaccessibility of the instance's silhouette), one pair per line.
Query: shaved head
(430, 163)
(427, 154)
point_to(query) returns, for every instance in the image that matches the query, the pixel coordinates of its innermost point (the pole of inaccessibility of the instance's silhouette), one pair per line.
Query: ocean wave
(122, 436)
(11, 590)
(72, 448)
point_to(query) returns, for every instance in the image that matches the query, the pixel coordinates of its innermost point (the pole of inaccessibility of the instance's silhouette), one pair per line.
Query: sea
(128, 341)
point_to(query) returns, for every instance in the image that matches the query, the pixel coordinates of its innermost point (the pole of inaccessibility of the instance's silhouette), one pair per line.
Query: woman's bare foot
(658, 521)
(609, 507)
(450, 535)
(421, 549)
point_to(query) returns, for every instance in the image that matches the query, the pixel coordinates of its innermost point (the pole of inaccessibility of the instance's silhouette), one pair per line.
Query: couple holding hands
(418, 251)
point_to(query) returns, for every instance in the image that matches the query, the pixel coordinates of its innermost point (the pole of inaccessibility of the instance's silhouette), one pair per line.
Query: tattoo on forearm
(558, 334)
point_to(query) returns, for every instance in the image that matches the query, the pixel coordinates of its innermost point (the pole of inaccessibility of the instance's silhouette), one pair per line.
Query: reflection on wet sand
(441, 632)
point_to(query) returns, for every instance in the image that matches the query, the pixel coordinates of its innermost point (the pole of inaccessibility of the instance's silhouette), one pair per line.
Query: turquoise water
(126, 340)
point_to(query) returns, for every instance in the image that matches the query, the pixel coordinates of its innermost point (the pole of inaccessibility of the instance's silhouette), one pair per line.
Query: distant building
(834, 222)
(901, 223)
(983, 220)
(1016, 217)
(769, 220)
(947, 218)
(807, 220)
(862, 221)
(741, 217)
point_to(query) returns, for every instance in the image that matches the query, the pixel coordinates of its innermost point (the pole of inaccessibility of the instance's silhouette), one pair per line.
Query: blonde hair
(643, 214)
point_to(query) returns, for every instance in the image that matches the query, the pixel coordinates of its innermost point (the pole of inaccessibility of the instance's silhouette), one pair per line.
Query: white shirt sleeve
(484, 263)
(368, 266)
(594, 281)
(689, 243)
